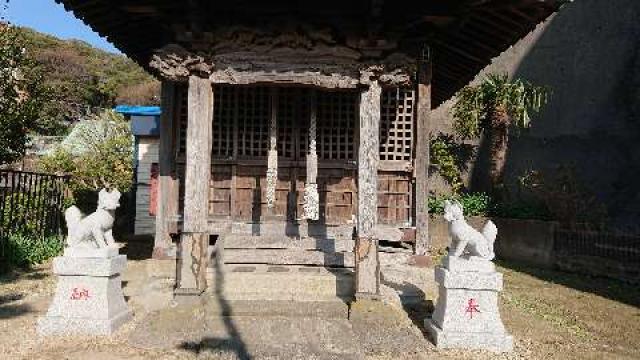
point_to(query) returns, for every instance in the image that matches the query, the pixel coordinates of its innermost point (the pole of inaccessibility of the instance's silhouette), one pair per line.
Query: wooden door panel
(394, 198)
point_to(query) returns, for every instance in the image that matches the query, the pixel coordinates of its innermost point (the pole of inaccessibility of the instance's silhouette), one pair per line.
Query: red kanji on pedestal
(82, 294)
(471, 308)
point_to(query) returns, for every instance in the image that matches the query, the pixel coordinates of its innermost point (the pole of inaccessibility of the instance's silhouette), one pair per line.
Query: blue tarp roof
(138, 110)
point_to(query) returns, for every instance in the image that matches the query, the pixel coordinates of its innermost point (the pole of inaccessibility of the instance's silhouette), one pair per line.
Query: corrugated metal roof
(138, 110)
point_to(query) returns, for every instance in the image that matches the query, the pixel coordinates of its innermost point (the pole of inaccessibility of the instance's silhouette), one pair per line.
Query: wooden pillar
(198, 160)
(195, 238)
(366, 251)
(167, 183)
(423, 113)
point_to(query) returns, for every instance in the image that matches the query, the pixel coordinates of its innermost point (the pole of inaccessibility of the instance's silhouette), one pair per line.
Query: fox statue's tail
(490, 231)
(72, 216)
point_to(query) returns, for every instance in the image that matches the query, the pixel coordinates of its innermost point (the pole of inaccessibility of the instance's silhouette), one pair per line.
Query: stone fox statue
(465, 239)
(93, 231)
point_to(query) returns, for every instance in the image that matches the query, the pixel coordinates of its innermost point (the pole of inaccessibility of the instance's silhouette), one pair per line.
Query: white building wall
(147, 155)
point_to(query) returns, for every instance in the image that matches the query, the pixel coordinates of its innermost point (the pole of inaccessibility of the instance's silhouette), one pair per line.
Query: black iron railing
(31, 203)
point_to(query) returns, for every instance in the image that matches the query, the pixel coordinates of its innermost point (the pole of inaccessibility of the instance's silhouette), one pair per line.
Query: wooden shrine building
(296, 133)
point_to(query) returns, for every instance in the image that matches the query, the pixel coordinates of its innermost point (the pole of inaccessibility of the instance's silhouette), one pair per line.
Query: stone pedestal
(466, 314)
(88, 297)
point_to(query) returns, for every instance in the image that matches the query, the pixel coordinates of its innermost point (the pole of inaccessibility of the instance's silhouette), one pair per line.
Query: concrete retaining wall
(523, 241)
(544, 244)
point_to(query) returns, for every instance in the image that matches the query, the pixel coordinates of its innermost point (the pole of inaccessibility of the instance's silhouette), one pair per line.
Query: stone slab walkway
(373, 328)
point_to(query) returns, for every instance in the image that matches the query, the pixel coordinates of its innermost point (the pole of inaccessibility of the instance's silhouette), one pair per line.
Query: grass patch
(552, 313)
(24, 251)
(613, 289)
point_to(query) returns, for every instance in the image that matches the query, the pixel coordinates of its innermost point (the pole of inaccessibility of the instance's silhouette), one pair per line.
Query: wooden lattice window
(396, 124)
(337, 117)
(288, 118)
(242, 115)
(223, 122)
(254, 112)
(302, 122)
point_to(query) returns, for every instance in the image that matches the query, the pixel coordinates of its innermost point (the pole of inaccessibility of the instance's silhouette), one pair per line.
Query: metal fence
(611, 255)
(31, 202)
(623, 248)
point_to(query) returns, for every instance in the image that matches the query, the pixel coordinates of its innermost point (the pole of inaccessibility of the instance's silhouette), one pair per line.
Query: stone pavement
(258, 330)
(222, 328)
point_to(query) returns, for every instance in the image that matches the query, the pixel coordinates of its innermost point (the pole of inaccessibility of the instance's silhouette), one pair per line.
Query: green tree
(22, 94)
(98, 153)
(493, 108)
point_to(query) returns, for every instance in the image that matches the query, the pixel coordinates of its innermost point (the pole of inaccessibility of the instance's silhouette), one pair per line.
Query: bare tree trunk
(499, 143)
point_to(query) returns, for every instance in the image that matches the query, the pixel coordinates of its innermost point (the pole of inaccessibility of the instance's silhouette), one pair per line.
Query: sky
(49, 17)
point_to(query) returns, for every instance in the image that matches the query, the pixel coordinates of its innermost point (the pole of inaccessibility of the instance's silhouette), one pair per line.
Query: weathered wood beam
(192, 259)
(192, 265)
(167, 189)
(334, 81)
(423, 113)
(366, 250)
(198, 164)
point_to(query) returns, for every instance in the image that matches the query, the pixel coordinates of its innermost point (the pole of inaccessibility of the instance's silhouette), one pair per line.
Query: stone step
(331, 308)
(290, 283)
(283, 242)
(288, 257)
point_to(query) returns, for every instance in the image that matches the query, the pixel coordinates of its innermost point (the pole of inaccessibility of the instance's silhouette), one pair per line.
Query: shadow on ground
(417, 311)
(608, 288)
(9, 310)
(234, 342)
(10, 298)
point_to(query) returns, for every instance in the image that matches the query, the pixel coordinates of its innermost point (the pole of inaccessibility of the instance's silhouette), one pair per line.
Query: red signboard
(153, 196)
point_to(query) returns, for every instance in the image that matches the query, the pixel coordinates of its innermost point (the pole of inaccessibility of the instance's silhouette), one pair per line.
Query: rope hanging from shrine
(272, 155)
(311, 205)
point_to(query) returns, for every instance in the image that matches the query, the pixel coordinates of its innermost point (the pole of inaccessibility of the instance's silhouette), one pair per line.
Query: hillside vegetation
(83, 79)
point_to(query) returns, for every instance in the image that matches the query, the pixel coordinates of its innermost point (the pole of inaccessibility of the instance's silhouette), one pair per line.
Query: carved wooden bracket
(323, 66)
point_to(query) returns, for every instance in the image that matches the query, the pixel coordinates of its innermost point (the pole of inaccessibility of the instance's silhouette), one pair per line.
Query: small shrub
(23, 250)
(443, 158)
(474, 204)
(450, 158)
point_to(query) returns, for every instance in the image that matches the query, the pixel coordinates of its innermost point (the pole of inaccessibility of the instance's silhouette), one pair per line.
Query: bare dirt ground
(551, 315)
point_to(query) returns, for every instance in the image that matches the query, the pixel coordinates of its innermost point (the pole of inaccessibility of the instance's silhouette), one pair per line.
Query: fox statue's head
(108, 200)
(453, 211)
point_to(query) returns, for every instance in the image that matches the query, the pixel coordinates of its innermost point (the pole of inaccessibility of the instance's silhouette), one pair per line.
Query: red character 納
(79, 294)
